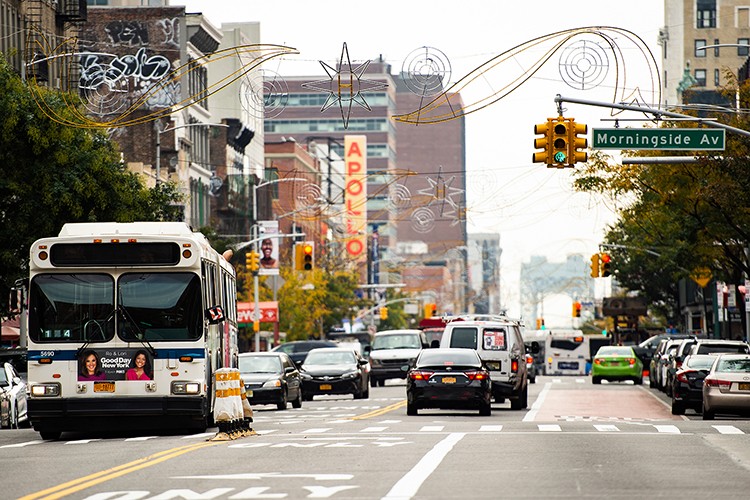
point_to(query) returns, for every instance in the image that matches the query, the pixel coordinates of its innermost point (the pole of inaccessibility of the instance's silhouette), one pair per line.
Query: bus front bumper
(40, 408)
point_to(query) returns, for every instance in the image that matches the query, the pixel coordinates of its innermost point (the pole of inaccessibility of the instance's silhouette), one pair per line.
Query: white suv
(499, 342)
(391, 351)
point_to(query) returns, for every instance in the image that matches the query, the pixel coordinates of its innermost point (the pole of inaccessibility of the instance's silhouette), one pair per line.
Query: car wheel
(50, 435)
(596, 380)
(305, 397)
(707, 414)
(532, 380)
(366, 393)
(521, 401)
(638, 380)
(281, 405)
(373, 382)
(411, 409)
(14, 418)
(485, 410)
(297, 403)
(677, 407)
(651, 383)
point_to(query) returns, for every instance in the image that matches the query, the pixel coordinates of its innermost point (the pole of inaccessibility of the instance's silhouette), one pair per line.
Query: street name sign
(695, 139)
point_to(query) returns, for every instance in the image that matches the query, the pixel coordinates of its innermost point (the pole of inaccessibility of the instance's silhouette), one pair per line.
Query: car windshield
(260, 364)
(405, 341)
(615, 351)
(734, 365)
(3, 377)
(329, 357)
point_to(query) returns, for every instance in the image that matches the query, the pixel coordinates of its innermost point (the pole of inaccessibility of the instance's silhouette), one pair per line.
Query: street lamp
(256, 311)
(158, 140)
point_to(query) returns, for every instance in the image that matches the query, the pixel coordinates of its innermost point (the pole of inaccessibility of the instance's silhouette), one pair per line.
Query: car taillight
(715, 382)
(682, 376)
(477, 375)
(631, 361)
(420, 375)
(597, 361)
(529, 359)
(514, 366)
(678, 364)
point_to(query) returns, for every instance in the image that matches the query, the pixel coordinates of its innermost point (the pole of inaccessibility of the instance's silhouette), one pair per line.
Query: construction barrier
(232, 412)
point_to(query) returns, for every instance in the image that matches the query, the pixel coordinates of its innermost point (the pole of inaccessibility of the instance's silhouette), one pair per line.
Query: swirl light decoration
(494, 80)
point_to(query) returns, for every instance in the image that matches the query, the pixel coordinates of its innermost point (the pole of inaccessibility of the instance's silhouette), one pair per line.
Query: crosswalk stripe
(667, 429)
(316, 430)
(432, 428)
(491, 428)
(727, 429)
(373, 429)
(606, 428)
(549, 427)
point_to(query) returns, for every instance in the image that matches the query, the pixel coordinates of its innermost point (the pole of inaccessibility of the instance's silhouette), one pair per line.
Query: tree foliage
(676, 219)
(52, 174)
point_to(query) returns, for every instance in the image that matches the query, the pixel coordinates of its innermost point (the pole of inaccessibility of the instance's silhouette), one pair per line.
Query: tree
(51, 174)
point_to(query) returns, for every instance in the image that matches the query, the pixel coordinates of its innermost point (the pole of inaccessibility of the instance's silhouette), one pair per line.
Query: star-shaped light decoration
(440, 191)
(345, 85)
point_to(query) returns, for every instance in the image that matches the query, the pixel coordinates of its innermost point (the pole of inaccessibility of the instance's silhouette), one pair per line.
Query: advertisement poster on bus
(115, 364)
(269, 248)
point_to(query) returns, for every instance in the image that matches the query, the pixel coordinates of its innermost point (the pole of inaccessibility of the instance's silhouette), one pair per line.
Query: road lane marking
(21, 445)
(316, 430)
(491, 428)
(373, 429)
(667, 429)
(606, 428)
(409, 484)
(83, 441)
(381, 411)
(141, 438)
(727, 429)
(432, 428)
(531, 414)
(668, 405)
(549, 428)
(201, 435)
(76, 485)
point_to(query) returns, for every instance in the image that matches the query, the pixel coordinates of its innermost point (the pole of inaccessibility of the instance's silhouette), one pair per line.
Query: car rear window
(463, 357)
(717, 348)
(566, 344)
(464, 337)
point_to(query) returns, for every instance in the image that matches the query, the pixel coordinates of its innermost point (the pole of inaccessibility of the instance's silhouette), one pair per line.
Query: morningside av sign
(698, 139)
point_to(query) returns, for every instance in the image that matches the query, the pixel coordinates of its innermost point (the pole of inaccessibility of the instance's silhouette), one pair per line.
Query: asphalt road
(576, 440)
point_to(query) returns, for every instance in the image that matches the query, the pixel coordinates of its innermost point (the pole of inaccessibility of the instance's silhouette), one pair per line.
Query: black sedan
(448, 379)
(687, 385)
(335, 370)
(270, 378)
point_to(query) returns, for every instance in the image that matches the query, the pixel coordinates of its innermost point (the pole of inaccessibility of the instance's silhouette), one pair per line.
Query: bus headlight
(45, 390)
(181, 388)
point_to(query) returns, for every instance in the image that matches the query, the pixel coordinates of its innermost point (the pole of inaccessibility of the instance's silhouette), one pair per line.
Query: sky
(533, 208)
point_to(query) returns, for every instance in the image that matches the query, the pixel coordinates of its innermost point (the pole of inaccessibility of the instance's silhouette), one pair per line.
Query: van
(499, 342)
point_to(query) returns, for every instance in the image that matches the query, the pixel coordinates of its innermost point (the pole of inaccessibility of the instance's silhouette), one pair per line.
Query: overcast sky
(532, 208)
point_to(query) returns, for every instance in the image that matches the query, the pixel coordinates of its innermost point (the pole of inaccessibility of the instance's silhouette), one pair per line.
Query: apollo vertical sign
(355, 160)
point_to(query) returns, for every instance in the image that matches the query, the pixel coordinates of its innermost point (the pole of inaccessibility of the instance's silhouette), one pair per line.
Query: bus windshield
(80, 308)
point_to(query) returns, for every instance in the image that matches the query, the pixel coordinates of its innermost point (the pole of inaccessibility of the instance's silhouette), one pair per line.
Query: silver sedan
(726, 388)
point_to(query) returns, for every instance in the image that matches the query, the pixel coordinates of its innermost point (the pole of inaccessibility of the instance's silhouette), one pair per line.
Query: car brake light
(721, 384)
(597, 361)
(420, 375)
(477, 375)
(529, 358)
(514, 366)
(631, 361)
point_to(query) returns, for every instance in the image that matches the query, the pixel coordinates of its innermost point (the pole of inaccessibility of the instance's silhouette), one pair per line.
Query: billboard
(355, 165)
(269, 248)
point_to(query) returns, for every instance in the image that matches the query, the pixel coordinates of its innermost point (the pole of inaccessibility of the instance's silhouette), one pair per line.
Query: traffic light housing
(540, 323)
(595, 261)
(384, 313)
(252, 261)
(560, 142)
(430, 310)
(576, 309)
(606, 265)
(576, 143)
(308, 256)
(544, 143)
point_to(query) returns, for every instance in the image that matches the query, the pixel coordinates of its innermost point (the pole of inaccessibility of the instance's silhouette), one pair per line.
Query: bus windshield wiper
(140, 336)
(87, 340)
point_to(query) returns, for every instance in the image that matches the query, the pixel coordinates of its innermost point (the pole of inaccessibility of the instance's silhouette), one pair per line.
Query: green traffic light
(560, 157)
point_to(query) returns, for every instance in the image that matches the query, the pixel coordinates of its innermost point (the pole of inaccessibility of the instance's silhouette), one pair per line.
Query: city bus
(567, 352)
(126, 324)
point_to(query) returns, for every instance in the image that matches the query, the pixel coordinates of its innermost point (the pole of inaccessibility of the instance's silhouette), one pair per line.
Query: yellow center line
(381, 411)
(84, 482)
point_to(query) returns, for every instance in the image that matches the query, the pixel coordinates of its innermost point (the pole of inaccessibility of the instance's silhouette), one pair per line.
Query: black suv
(298, 349)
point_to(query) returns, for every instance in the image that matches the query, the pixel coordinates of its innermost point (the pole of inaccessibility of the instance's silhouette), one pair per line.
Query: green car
(613, 362)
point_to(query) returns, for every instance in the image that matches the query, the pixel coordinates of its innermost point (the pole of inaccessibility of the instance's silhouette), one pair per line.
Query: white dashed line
(606, 428)
(549, 428)
(727, 429)
(667, 429)
(491, 428)
(432, 428)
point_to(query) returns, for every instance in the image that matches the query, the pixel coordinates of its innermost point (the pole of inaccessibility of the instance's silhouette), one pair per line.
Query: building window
(699, 50)
(716, 78)
(706, 14)
(97, 2)
(700, 77)
(665, 79)
(198, 83)
(743, 51)
(716, 49)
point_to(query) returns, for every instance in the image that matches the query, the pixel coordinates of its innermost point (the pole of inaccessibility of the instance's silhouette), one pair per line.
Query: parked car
(687, 387)
(298, 349)
(271, 378)
(665, 359)
(715, 346)
(613, 362)
(392, 349)
(661, 344)
(335, 370)
(726, 388)
(12, 398)
(498, 340)
(674, 364)
(448, 378)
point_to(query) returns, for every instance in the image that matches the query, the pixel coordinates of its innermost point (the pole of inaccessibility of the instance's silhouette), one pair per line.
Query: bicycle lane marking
(84, 482)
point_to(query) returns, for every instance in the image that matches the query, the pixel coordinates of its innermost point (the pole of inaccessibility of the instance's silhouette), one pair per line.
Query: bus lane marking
(82, 483)
(531, 414)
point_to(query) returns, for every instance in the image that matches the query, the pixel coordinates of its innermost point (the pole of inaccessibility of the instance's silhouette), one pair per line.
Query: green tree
(51, 174)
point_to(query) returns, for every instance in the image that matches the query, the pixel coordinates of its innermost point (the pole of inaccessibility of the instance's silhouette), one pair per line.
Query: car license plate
(449, 380)
(743, 386)
(104, 387)
(325, 387)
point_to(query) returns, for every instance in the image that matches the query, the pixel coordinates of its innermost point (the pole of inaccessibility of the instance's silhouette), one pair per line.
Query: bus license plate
(569, 365)
(325, 387)
(104, 387)
(449, 380)
(743, 386)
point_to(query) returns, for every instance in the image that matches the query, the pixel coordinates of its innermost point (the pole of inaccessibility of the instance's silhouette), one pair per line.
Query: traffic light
(252, 261)
(384, 313)
(430, 310)
(560, 140)
(576, 309)
(576, 143)
(308, 257)
(544, 143)
(606, 265)
(540, 323)
(595, 260)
